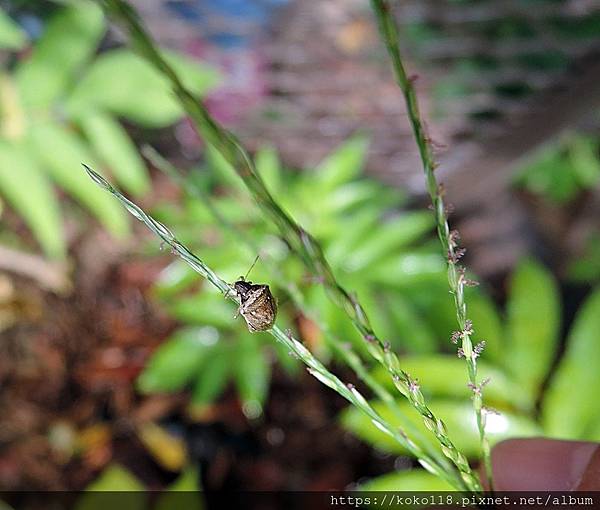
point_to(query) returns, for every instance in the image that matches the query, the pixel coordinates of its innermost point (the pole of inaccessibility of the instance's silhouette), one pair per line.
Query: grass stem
(314, 366)
(448, 239)
(302, 243)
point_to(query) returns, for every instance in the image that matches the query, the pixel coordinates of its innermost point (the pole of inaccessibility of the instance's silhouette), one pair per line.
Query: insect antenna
(243, 278)
(251, 267)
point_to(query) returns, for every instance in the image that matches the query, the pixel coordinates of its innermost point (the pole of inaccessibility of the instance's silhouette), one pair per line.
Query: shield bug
(257, 304)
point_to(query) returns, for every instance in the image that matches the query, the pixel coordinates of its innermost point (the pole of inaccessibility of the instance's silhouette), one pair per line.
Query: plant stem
(456, 278)
(299, 240)
(344, 350)
(314, 366)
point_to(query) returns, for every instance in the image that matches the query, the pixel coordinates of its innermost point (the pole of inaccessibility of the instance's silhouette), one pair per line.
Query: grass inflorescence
(449, 239)
(305, 246)
(314, 366)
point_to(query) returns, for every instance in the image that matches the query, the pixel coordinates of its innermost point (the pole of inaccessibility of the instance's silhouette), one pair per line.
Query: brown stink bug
(257, 304)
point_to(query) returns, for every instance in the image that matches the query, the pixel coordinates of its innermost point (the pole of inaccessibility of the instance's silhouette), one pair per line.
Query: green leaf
(70, 39)
(568, 408)
(551, 175)
(112, 143)
(487, 325)
(24, 185)
(213, 376)
(353, 196)
(443, 375)
(583, 153)
(269, 168)
(185, 492)
(189, 480)
(586, 268)
(389, 237)
(139, 93)
(177, 360)
(175, 278)
(114, 488)
(252, 373)
(458, 417)
(410, 328)
(12, 36)
(341, 166)
(533, 324)
(414, 480)
(204, 308)
(405, 270)
(62, 153)
(351, 232)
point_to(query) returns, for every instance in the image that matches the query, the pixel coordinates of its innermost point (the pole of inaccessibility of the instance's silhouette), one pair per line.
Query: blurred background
(120, 368)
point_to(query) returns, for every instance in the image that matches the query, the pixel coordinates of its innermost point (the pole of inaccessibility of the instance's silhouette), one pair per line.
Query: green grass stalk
(314, 366)
(299, 240)
(344, 349)
(448, 239)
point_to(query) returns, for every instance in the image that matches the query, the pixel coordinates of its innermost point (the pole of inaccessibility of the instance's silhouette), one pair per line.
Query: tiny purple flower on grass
(454, 255)
(478, 349)
(413, 385)
(370, 338)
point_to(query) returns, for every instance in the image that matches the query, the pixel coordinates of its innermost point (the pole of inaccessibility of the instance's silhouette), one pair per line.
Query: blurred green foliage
(533, 392)
(59, 105)
(561, 171)
(374, 246)
(586, 268)
(118, 487)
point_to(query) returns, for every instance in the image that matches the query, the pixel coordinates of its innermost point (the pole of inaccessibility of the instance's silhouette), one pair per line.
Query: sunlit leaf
(445, 375)
(174, 278)
(69, 40)
(414, 480)
(351, 232)
(185, 492)
(532, 325)
(342, 165)
(62, 153)
(204, 309)
(353, 196)
(401, 271)
(168, 450)
(177, 360)
(140, 94)
(27, 189)
(458, 417)
(568, 407)
(116, 487)
(12, 36)
(213, 376)
(113, 145)
(389, 236)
